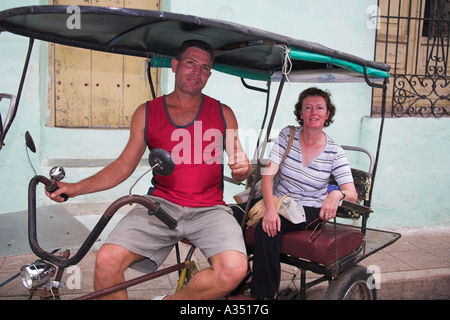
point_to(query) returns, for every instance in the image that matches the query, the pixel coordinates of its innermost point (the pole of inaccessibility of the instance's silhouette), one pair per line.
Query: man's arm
(238, 161)
(117, 171)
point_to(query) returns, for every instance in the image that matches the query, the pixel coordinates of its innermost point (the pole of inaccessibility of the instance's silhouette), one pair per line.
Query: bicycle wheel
(353, 284)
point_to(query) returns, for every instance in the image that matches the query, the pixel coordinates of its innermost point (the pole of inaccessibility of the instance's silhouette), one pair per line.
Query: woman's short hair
(315, 92)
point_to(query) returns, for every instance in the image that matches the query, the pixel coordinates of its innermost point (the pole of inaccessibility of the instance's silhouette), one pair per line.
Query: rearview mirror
(29, 142)
(162, 162)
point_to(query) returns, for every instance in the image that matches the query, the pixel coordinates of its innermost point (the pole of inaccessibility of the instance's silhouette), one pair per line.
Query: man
(191, 126)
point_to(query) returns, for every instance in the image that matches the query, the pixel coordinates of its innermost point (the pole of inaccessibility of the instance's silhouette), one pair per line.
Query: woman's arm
(271, 221)
(331, 202)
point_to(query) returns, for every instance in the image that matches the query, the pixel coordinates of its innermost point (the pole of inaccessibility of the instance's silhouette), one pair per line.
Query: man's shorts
(211, 229)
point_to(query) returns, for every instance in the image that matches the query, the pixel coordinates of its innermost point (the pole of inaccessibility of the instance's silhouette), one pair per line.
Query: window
(413, 39)
(91, 89)
(436, 19)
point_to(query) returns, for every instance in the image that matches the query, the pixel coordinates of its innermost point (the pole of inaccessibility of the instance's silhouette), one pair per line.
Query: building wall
(410, 186)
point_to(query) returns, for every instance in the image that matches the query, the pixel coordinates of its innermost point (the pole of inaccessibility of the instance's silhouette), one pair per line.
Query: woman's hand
(271, 223)
(330, 205)
(331, 202)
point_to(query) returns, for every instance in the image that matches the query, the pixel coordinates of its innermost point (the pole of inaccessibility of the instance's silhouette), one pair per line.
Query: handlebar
(53, 187)
(153, 208)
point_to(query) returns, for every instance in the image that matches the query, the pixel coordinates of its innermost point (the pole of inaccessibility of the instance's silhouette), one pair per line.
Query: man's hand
(64, 188)
(240, 166)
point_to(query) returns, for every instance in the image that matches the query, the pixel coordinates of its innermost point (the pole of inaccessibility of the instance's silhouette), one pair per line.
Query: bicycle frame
(184, 267)
(65, 260)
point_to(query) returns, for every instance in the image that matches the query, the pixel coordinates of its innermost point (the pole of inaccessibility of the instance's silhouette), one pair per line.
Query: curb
(430, 284)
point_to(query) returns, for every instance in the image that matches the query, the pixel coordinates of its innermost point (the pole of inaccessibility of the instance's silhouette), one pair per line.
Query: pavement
(416, 267)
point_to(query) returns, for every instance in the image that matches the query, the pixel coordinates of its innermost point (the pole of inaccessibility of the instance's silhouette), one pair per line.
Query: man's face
(192, 71)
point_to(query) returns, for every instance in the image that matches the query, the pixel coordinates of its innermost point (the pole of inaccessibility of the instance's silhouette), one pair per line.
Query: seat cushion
(321, 250)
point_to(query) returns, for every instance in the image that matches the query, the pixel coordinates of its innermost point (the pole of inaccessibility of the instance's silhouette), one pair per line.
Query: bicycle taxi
(241, 51)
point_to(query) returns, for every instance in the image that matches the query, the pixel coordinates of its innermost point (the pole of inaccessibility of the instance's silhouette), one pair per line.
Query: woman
(304, 175)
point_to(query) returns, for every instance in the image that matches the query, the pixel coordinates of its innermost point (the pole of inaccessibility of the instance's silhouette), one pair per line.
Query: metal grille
(413, 37)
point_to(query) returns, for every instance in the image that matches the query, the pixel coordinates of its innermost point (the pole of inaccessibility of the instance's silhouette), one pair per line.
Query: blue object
(332, 187)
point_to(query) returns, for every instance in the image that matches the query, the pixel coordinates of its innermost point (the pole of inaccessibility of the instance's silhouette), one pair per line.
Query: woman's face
(314, 112)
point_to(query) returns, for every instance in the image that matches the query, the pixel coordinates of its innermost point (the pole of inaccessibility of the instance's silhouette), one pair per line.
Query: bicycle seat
(322, 250)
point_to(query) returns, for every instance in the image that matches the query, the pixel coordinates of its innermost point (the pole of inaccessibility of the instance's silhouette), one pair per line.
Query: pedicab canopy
(239, 50)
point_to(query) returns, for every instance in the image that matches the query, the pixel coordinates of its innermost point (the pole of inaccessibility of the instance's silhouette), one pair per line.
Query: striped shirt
(308, 185)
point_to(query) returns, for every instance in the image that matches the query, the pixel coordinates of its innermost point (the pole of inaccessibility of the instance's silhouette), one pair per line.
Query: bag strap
(290, 141)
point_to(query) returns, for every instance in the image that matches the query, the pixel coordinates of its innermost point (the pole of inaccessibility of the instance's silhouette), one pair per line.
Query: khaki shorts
(212, 229)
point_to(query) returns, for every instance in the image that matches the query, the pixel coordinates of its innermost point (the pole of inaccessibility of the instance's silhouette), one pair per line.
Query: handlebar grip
(55, 187)
(162, 215)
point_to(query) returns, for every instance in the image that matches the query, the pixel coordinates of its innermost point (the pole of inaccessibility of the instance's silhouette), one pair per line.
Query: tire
(355, 283)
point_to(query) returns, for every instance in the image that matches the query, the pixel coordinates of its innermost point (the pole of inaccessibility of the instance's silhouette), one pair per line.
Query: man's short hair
(198, 44)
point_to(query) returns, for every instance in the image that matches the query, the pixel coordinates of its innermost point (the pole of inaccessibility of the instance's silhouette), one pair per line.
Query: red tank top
(197, 150)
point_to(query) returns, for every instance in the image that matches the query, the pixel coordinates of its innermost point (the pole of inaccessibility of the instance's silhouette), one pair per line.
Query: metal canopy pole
(262, 150)
(380, 135)
(19, 93)
(266, 111)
